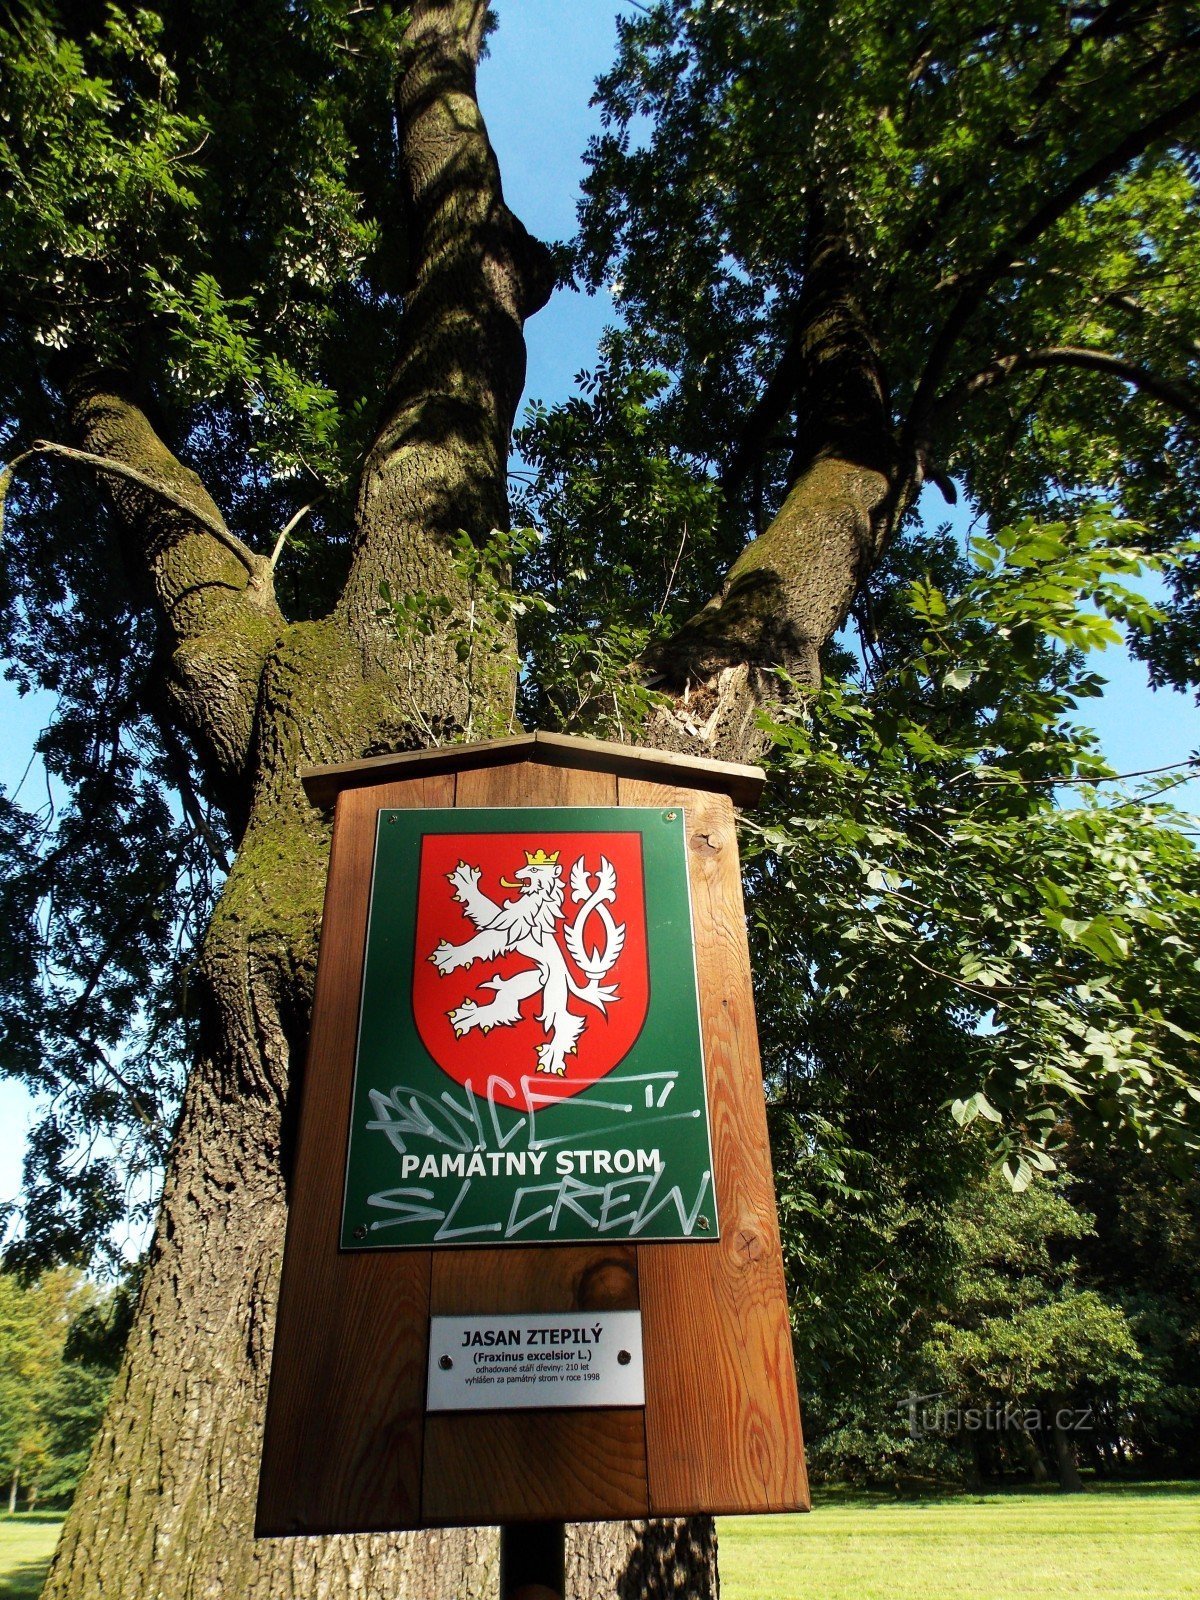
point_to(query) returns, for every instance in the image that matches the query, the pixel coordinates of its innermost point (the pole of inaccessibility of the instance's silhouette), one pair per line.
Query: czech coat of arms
(530, 959)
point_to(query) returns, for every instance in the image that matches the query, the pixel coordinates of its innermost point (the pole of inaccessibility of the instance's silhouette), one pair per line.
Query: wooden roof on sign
(743, 784)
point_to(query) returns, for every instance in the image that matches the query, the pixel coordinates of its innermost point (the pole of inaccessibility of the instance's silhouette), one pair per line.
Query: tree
(1143, 1257)
(29, 1346)
(50, 1400)
(958, 884)
(73, 1403)
(260, 276)
(963, 936)
(1021, 1335)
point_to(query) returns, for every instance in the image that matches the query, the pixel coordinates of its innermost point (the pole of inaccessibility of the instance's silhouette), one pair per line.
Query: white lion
(526, 926)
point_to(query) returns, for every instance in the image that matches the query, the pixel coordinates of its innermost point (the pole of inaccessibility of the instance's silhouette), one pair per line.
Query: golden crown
(539, 858)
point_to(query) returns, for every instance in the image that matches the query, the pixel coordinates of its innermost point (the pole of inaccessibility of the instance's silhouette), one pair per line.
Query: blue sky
(534, 89)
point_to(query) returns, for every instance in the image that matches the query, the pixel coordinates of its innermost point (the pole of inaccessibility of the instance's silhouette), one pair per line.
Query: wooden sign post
(532, 1270)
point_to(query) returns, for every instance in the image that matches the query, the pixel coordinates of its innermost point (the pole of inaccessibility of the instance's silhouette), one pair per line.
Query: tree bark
(1069, 1480)
(1032, 1455)
(791, 589)
(438, 466)
(216, 606)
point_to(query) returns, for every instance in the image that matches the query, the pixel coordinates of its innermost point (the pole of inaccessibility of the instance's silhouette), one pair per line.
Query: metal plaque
(507, 1363)
(529, 1064)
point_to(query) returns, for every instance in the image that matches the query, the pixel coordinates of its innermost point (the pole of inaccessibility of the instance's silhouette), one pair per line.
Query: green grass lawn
(1136, 1542)
(26, 1545)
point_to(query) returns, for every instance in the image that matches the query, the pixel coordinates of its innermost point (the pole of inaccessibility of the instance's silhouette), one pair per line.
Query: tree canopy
(1013, 193)
(997, 214)
(177, 202)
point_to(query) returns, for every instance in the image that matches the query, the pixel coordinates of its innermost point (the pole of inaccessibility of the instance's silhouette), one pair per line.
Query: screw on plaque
(392, 817)
(703, 1224)
(445, 1362)
(623, 1358)
(669, 816)
(361, 1231)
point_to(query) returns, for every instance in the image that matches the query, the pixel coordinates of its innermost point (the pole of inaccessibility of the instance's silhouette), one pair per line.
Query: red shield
(530, 972)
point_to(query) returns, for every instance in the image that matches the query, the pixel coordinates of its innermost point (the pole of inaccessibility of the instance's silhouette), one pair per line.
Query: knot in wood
(607, 1285)
(748, 1245)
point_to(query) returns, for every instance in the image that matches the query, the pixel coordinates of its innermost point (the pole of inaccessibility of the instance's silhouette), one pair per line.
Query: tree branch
(769, 409)
(1004, 261)
(151, 1125)
(792, 586)
(1106, 24)
(291, 523)
(1001, 368)
(1129, 302)
(1011, 780)
(119, 469)
(180, 773)
(438, 465)
(214, 596)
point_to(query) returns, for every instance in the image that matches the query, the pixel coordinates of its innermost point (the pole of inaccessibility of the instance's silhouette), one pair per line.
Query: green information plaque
(529, 1065)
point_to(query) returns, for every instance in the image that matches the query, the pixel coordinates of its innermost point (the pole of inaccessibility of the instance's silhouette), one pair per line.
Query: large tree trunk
(166, 1508)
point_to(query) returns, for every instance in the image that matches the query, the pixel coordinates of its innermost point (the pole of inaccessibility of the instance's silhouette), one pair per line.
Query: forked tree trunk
(166, 1508)
(791, 588)
(165, 1511)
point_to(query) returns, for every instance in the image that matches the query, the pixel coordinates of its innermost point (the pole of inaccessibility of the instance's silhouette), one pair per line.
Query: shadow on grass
(918, 1494)
(24, 1582)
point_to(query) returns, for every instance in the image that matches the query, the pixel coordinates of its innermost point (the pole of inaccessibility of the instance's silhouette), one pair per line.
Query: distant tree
(1144, 1256)
(35, 1325)
(28, 1356)
(1019, 1333)
(72, 1409)
(72, 1403)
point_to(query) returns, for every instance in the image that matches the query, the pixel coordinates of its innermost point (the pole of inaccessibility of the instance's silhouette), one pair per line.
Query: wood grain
(556, 1277)
(345, 1412)
(722, 1416)
(590, 1466)
(502, 1466)
(512, 1466)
